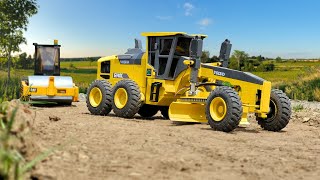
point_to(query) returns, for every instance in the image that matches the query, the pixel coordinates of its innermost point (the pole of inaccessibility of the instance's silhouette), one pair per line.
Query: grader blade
(187, 112)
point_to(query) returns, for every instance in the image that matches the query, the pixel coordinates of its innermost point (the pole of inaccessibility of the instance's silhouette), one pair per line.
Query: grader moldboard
(170, 77)
(46, 85)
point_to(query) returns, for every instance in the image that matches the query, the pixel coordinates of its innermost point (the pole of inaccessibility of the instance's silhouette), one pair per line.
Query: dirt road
(96, 147)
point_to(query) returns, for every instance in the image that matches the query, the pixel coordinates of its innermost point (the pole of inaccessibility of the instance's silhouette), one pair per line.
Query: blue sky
(286, 28)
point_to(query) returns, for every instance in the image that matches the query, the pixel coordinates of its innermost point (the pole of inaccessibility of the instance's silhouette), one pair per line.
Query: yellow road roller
(169, 77)
(46, 84)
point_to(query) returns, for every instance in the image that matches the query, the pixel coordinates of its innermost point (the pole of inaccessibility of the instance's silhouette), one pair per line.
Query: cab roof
(171, 34)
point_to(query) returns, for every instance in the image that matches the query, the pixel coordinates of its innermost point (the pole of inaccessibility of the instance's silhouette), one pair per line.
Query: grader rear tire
(148, 111)
(280, 112)
(99, 97)
(126, 98)
(223, 109)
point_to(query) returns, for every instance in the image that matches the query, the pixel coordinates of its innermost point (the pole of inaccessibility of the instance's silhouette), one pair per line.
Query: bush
(72, 66)
(266, 67)
(303, 89)
(9, 89)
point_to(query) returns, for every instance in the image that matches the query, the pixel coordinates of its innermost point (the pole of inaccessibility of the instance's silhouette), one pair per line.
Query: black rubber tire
(234, 109)
(148, 111)
(280, 112)
(104, 107)
(65, 103)
(165, 111)
(134, 102)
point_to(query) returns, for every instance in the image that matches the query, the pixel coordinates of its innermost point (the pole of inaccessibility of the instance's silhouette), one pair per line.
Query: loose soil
(109, 147)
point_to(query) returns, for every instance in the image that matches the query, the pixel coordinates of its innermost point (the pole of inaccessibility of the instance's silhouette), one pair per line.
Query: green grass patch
(280, 76)
(297, 108)
(9, 89)
(79, 64)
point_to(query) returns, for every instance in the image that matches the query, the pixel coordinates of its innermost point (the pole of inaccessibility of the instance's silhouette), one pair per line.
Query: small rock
(306, 119)
(183, 169)
(54, 118)
(134, 174)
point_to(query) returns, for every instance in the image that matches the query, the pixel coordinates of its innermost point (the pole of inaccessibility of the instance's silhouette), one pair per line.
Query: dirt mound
(306, 105)
(20, 133)
(306, 112)
(311, 118)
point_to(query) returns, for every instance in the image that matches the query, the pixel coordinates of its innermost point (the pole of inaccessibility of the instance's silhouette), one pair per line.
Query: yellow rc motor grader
(170, 77)
(46, 84)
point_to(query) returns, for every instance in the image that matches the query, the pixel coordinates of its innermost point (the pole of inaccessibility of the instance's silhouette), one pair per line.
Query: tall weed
(9, 89)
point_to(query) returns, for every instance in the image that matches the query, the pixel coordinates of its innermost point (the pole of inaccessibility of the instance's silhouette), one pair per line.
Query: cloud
(164, 17)
(188, 7)
(205, 22)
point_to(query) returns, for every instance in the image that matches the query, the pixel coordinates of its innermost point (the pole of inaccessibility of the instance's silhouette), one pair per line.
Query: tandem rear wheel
(99, 97)
(126, 100)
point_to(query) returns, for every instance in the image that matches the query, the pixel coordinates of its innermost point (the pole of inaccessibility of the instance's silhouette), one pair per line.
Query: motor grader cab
(46, 84)
(170, 77)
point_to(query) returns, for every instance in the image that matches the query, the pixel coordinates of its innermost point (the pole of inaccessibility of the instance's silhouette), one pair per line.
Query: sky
(271, 28)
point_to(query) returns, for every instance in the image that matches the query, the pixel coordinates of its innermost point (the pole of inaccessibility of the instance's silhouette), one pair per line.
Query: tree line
(22, 61)
(240, 60)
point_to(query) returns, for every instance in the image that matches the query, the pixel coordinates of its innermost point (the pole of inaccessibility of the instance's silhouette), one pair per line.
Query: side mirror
(196, 48)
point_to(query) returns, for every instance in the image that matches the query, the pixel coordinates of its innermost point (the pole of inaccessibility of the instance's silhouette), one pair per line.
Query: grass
(300, 80)
(280, 76)
(297, 108)
(288, 71)
(79, 64)
(9, 89)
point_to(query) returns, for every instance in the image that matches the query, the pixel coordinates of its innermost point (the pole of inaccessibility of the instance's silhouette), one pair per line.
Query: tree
(260, 58)
(241, 57)
(30, 62)
(214, 59)
(14, 18)
(233, 63)
(205, 56)
(278, 59)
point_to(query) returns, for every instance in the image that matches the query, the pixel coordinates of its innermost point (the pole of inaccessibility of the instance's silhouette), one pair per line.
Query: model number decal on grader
(219, 73)
(120, 75)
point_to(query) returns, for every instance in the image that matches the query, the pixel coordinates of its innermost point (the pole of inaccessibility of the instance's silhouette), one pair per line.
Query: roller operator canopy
(172, 34)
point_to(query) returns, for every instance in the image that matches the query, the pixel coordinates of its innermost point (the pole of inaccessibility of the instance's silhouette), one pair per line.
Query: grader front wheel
(223, 109)
(279, 114)
(126, 98)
